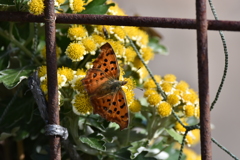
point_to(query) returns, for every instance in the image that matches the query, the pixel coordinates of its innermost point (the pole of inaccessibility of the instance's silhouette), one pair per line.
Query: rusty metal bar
(122, 21)
(203, 83)
(53, 111)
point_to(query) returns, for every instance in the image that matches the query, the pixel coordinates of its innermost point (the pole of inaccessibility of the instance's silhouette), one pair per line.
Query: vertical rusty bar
(53, 111)
(202, 25)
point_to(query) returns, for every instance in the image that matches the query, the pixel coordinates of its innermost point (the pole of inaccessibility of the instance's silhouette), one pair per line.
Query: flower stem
(18, 44)
(148, 69)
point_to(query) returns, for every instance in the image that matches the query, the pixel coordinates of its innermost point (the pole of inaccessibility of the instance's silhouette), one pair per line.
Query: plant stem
(18, 44)
(148, 69)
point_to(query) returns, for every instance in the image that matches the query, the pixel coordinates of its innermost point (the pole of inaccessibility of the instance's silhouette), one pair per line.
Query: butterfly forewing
(93, 80)
(107, 62)
(113, 107)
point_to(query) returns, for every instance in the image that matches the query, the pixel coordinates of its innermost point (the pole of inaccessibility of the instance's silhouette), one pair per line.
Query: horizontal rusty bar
(179, 23)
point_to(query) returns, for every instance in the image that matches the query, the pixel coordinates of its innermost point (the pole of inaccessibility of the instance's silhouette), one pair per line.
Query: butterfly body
(104, 88)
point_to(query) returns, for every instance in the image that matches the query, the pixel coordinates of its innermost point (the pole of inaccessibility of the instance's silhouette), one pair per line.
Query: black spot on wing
(122, 106)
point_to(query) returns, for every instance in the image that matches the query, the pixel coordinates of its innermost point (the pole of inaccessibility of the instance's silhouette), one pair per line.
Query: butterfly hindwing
(112, 107)
(107, 62)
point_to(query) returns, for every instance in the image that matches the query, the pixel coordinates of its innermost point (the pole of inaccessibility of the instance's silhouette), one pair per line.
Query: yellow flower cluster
(77, 6)
(58, 52)
(179, 97)
(88, 39)
(36, 7)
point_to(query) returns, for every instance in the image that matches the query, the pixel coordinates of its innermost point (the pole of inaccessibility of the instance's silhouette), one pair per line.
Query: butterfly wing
(93, 80)
(112, 107)
(107, 62)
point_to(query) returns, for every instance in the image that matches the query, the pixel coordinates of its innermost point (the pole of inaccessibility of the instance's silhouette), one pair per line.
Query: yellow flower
(75, 51)
(170, 78)
(42, 71)
(78, 86)
(191, 155)
(137, 63)
(43, 86)
(130, 54)
(81, 104)
(148, 84)
(77, 32)
(135, 106)
(100, 40)
(143, 73)
(61, 80)
(129, 93)
(173, 99)
(147, 53)
(142, 38)
(193, 137)
(194, 96)
(80, 72)
(115, 10)
(36, 7)
(59, 2)
(186, 97)
(197, 112)
(58, 52)
(149, 92)
(103, 30)
(189, 110)
(119, 33)
(68, 72)
(77, 5)
(166, 87)
(182, 86)
(131, 84)
(89, 45)
(154, 99)
(164, 109)
(118, 48)
(178, 127)
(132, 32)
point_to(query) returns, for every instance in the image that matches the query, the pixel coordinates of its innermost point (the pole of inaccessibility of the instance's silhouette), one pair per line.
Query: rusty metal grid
(201, 24)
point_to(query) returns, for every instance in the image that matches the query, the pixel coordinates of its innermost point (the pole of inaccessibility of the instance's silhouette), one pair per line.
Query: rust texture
(203, 83)
(51, 58)
(122, 21)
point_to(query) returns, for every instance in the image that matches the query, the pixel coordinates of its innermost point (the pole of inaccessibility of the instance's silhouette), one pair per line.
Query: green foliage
(154, 43)
(94, 141)
(12, 77)
(97, 7)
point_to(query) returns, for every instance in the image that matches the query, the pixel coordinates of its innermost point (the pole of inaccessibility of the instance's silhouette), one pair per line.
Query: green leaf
(154, 43)
(137, 147)
(97, 7)
(17, 114)
(12, 77)
(175, 135)
(94, 141)
(93, 120)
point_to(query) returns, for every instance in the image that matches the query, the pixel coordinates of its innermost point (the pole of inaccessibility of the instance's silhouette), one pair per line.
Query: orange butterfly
(104, 88)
